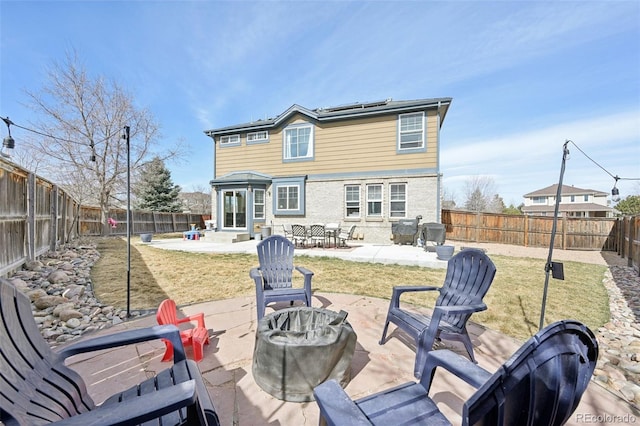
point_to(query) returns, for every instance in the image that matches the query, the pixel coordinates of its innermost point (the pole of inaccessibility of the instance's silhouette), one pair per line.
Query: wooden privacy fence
(621, 235)
(37, 216)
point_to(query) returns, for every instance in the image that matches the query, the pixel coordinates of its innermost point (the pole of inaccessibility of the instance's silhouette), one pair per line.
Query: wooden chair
(469, 275)
(36, 387)
(274, 277)
(195, 337)
(541, 384)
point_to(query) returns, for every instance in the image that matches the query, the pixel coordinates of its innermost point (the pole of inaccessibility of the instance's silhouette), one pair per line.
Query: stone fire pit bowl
(299, 348)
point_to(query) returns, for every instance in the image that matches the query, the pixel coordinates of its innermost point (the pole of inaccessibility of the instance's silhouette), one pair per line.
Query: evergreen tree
(155, 190)
(629, 206)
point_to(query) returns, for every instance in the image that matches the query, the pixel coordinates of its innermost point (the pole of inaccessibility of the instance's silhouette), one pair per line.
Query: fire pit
(299, 348)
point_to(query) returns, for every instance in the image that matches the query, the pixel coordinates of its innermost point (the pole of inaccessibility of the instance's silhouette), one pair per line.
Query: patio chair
(300, 235)
(345, 236)
(541, 384)
(195, 337)
(36, 387)
(469, 275)
(317, 234)
(274, 277)
(288, 231)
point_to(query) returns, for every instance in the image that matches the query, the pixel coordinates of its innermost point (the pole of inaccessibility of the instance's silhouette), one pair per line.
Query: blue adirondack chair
(36, 387)
(541, 384)
(274, 277)
(469, 275)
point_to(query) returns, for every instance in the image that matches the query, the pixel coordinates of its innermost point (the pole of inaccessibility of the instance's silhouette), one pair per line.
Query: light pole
(126, 136)
(555, 268)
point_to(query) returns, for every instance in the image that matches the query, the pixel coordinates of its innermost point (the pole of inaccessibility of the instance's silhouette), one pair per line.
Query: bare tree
(86, 117)
(480, 194)
(198, 200)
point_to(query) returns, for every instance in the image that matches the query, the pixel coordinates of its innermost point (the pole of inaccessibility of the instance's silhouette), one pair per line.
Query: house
(367, 164)
(575, 202)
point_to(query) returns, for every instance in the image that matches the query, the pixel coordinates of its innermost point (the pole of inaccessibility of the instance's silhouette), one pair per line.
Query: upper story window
(586, 198)
(573, 198)
(352, 200)
(298, 142)
(398, 200)
(258, 137)
(539, 200)
(411, 132)
(374, 200)
(258, 204)
(229, 140)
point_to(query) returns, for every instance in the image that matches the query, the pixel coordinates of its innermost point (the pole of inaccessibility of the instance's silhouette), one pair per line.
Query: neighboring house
(575, 202)
(367, 164)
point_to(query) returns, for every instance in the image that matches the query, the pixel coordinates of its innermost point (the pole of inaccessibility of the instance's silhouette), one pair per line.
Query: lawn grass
(514, 299)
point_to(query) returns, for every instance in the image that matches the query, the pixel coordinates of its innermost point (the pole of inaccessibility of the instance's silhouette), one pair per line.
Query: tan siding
(346, 146)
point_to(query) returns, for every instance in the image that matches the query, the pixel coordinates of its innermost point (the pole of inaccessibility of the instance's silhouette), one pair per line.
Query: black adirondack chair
(36, 387)
(273, 278)
(469, 275)
(541, 384)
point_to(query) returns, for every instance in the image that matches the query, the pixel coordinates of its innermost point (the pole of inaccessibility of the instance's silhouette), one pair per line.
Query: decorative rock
(69, 314)
(36, 294)
(33, 265)
(72, 291)
(73, 323)
(45, 302)
(58, 277)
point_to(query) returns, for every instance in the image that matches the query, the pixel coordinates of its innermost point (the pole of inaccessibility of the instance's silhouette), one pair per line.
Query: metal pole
(127, 137)
(549, 266)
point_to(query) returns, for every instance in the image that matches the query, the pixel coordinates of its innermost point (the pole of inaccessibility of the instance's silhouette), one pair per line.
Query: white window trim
(287, 188)
(405, 201)
(285, 149)
(346, 209)
(229, 140)
(263, 204)
(253, 137)
(381, 200)
(423, 145)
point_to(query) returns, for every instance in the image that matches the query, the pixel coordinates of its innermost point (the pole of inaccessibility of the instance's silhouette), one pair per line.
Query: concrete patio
(226, 366)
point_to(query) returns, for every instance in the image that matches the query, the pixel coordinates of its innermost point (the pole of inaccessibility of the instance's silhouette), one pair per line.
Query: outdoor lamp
(615, 193)
(8, 143)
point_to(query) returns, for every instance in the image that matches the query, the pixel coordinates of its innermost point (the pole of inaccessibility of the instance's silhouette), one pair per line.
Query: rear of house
(366, 164)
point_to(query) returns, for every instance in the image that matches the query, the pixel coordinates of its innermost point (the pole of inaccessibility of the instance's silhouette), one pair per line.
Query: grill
(405, 231)
(433, 233)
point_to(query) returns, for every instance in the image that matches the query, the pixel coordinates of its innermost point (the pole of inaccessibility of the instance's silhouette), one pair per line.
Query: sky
(524, 76)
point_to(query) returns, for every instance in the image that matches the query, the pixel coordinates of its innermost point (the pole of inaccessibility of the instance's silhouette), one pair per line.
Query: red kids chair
(195, 337)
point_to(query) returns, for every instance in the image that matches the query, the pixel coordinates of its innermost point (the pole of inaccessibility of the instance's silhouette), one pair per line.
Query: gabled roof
(566, 190)
(342, 112)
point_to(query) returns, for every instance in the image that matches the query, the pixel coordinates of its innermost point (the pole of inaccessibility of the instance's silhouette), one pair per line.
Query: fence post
(526, 230)
(31, 216)
(53, 234)
(564, 232)
(632, 237)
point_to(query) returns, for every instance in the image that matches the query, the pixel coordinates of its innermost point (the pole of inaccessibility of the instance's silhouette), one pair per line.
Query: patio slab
(226, 366)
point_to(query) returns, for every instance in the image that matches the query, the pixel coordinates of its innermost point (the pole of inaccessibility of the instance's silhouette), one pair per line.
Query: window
(374, 200)
(573, 198)
(258, 137)
(229, 140)
(298, 142)
(398, 200)
(352, 200)
(539, 200)
(288, 198)
(586, 198)
(411, 131)
(258, 204)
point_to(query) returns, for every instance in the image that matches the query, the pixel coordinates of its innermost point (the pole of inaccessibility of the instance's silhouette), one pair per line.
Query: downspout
(439, 175)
